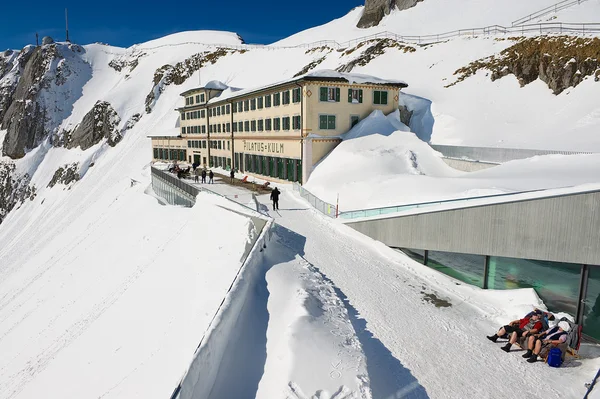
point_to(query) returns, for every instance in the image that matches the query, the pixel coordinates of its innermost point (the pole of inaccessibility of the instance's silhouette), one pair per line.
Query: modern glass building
(564, 287)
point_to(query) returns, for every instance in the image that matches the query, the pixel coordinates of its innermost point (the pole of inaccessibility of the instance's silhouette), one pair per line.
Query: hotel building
(275, 132)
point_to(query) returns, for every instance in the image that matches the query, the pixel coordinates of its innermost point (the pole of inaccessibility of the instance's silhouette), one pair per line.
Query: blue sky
(123, 23)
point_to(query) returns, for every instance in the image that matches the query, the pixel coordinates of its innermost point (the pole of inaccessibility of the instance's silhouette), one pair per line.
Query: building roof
(323, 75)
(212, 85)
(167, 134)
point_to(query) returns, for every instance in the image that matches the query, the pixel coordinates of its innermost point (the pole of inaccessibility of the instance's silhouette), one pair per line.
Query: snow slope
(426, 18)
(586, 12)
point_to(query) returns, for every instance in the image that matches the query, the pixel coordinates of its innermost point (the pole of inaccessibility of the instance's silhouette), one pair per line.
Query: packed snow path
(414, 347)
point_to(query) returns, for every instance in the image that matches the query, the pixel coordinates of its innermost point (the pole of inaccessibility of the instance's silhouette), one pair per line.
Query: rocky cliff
(375, 10)
(99, 123)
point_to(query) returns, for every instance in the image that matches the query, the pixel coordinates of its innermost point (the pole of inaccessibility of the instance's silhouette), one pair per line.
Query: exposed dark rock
(65, 175)
(14, 188)
(559, 61)
(180, 72)
(118, 64)
(376, 48)
(405, 115)
(375, 10)
(310, 66)
(99, 123)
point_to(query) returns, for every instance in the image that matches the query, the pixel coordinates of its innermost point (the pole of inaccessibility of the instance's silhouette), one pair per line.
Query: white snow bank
(377, 171)
(224, 349)
(351, 77)
(376, 123)
(312, 348)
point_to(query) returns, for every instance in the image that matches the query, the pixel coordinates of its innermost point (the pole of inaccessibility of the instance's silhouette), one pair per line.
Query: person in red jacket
(517, 329)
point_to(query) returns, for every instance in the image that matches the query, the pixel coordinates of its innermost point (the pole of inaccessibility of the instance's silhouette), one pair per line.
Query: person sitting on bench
(556, 337)
(517, 329)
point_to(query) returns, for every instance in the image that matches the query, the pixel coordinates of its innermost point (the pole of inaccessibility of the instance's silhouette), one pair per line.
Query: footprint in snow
(294, 392)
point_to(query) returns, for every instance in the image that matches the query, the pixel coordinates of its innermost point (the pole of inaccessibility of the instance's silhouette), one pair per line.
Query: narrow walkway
(409, 342)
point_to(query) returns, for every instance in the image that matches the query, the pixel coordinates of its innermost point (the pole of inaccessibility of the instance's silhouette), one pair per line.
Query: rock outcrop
(14, 188)
(65, 175)
(99, 123)
(375, 10)
(559, 61)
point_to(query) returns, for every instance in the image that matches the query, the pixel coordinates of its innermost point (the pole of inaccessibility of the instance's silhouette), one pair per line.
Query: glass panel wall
(463, 267)
(591, 311)
(557, 284)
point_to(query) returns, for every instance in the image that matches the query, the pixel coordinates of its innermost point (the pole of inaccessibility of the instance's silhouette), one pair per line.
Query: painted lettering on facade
(259, 146)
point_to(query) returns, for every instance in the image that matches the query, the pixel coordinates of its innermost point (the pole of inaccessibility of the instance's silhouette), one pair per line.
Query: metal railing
(186, 190)
(561, 5)
(324, 207)
(539, 28)
(495, 154)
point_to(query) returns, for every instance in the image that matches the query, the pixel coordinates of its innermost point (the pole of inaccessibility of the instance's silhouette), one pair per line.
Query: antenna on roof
(199, 78)
(67, 24)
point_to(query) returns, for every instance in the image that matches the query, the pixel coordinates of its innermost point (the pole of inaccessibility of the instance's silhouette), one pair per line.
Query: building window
(380, 97)
(260, 125)
(219, 128)
(354, 119)
(228, 127)
(204, 145)
(329, 94)
(203, 114)
(234, 107)
(187, 101)
(234, 126)
(296, 95)
(268, 125)
(276, 124)
(218, 110)
(259, 102)
(240, 106)
(253, 104)
(227, 109)
(246, 105)
(241, 126)
(219, 144)
(202, 97)
(183, 130)
(155, 153)
(296, 122)
(197, 98)
(285, 97)
(276, 99)
(247, 126)
(183, 116)
(204, 129)
(253, 126)
(285, 121)
(228, 145)
(327, 122)
(222, 110)
(355, 96)
(268, 101)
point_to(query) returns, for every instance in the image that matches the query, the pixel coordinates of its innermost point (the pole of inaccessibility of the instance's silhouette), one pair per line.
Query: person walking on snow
(232, 175)
(203, 175)
(210, 177)
(196, 174)
(275, 198)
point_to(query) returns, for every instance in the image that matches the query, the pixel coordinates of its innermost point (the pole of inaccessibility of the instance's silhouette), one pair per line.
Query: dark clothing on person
(210, 177)
(232, 175)
(275, 198)
(203, 176)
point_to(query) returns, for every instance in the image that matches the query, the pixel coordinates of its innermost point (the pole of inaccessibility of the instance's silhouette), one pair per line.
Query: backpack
(555, 357)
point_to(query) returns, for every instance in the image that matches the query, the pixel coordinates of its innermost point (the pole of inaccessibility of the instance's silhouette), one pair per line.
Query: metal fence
(324, 207)
(561, 5)
(493, 154)
(521, 29)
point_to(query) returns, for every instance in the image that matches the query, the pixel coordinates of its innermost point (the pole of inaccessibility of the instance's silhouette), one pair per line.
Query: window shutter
(331, 122)
(349, 95)
(384, 97)
(323, 93)
(323, 122)
(377, 97)
(337, 94)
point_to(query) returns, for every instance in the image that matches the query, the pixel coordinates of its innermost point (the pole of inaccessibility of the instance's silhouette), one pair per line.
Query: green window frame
(260, 125)
(259, 102)
(380, 97)
(285, 97)
(276, 124)
(355, 96)
(296, 95)
(241, 126)
(268, 101)
(253, 126)
(329, 94)
(253, 104)
(285, 121)
(246, 105)
(276, 99)
(327, 122)
(296, 123)
(202, 97)
(268, 124)
(247, 126)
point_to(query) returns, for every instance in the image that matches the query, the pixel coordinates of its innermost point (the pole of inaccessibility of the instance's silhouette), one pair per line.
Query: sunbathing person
(518, 329)
(556, 337)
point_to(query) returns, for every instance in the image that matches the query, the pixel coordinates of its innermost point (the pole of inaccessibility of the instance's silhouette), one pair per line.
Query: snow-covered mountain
(75, 154)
